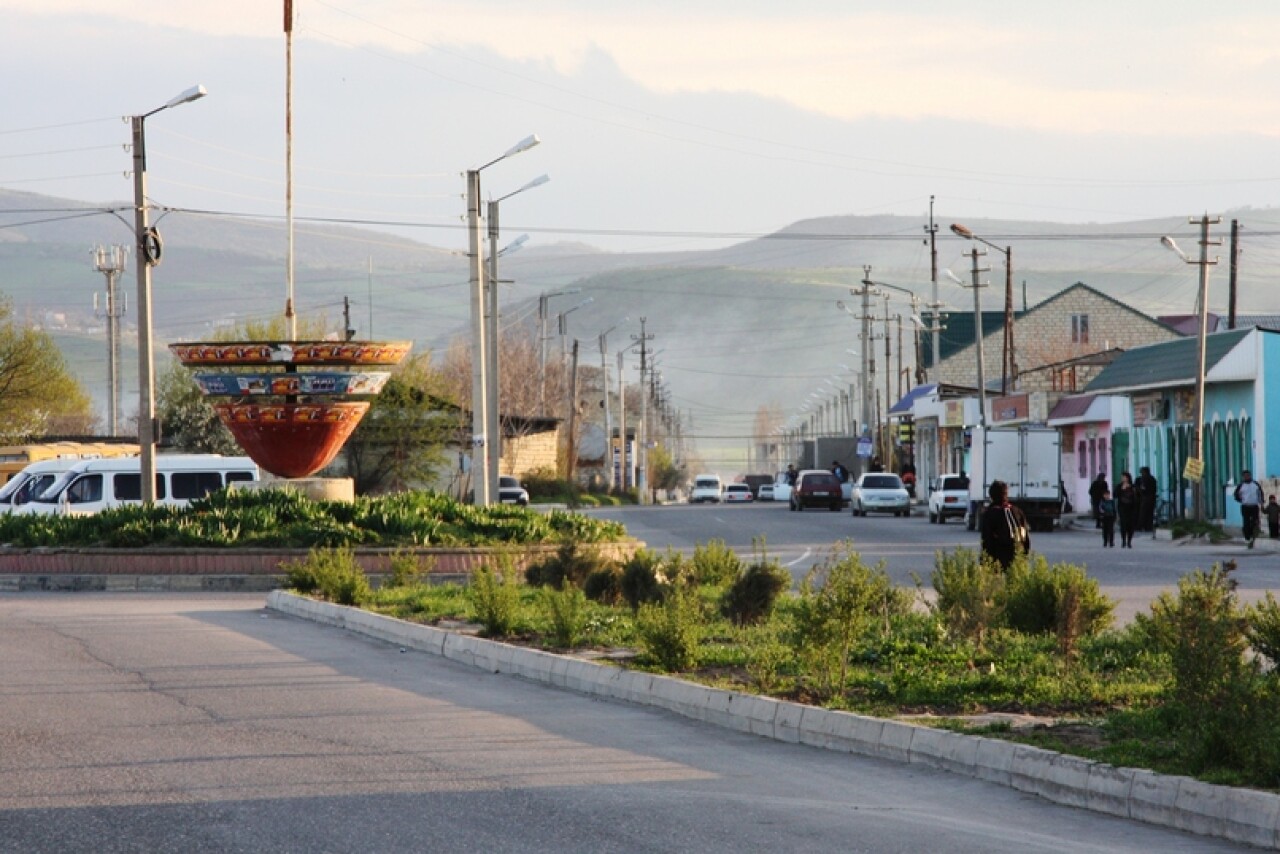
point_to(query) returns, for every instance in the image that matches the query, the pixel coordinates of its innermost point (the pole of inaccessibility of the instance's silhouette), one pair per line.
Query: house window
(1079, 329)
(1084, 460)
(1102, 456)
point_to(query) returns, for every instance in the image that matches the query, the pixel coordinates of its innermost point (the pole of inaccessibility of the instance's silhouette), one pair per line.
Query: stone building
(1064, 329)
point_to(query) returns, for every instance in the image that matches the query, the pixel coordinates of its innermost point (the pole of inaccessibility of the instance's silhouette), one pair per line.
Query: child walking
(1107, 518)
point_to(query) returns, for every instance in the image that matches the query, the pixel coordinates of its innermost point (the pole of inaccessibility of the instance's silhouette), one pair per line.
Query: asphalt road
(908, 546)
(169, 723)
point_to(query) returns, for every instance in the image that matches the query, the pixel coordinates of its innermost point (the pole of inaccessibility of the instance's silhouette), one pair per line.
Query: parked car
(706, 487)
(880, 493)
(816, 488)
(948, 497)
(781, 488)
(511, 492)
(738, 493)
(766, 492)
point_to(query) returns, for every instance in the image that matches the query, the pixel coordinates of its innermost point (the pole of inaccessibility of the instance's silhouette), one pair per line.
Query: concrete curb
(1240, 815)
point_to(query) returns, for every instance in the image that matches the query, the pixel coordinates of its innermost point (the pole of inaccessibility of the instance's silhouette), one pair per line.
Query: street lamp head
(962, 231)
(953, 277)
(195, 93)
(1168, 242)
(536, 182)
(523, 145)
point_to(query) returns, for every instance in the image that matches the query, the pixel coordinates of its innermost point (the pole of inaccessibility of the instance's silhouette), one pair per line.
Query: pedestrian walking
(1249, 494)
(1148, 491)
(1273, 518)
(1096, 491)
(1126, 509)
(1004, 527)
(1107, 518)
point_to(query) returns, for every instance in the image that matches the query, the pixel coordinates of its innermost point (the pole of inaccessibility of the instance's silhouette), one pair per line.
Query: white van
(706, 487)
(33, 480)
(91, 486)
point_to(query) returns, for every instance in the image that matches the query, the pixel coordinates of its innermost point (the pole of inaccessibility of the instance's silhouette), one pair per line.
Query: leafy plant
(751, 596)
(570, 565)
(1262, 621)
(408, 569)
(604, 585)
(669, 631)
(495, 597)
(567, 608)
(331, 573)
(969, 588)
(1060, 598)
(715, 563)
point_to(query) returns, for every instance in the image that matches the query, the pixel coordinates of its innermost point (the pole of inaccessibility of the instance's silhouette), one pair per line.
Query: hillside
(735, 328)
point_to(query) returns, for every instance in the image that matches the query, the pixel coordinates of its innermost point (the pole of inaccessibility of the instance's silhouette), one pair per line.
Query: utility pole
(642, 476)
(978, 270)
(1234, 266)
(936, 305)
(348, 331)
(111, 263)
(883, 426)
(1007, 369)
(479, 358)
(867, 364)
(572, 463)
(608, 426)
(626, 477)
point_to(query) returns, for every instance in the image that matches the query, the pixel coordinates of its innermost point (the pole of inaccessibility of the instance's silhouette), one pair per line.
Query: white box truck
(1029, 460)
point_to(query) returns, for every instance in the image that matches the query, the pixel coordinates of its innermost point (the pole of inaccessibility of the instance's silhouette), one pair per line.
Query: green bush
(969, 590)
(571, 564)
(1262, 622)
(839, 601)
(716, 564)
(495, 598)
(751, 596)
(331, 573)
(604, 585)
(767, 655)
(669, 632)
(408, 569)
(643, 580)
(1216, 694)
(567, 609)
(1061, 598)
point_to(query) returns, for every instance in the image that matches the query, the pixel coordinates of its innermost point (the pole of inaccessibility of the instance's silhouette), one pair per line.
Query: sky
(663, 125)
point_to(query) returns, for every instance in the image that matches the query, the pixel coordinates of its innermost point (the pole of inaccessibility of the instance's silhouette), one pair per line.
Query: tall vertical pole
(975, 254)
(479, 382)
(543, 302)
(642, 433)
(608, 421)
(1234, 268)
(290, 318)
(1007, 372)
(626, 476)
(572, 461)
(936, 305)
(146, 364)
(492, 368)
(112, 262)
(882, 424)
(1197, 487)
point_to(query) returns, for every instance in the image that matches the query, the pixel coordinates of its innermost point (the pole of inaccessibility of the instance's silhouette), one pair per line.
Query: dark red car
(816, 488)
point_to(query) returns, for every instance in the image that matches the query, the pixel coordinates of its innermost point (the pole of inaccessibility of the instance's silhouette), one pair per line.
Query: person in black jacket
(1004, 527)
(1096, 490)
(1148, 489)
(1127, 509)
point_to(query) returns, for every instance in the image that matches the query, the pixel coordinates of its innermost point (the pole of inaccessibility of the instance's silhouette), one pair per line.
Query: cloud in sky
(710, 116)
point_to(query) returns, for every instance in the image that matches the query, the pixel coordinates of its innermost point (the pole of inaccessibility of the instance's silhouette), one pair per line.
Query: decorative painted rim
(291, 352)
(319, 382)
(298, 413)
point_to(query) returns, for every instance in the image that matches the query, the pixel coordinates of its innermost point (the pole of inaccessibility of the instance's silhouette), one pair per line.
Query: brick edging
(1240, 815)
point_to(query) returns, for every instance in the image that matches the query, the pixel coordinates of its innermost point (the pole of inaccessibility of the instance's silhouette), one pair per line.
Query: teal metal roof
(1165, 364)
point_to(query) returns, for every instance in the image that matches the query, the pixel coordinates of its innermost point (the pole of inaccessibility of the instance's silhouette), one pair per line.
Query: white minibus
(33, 480)
(91, 486)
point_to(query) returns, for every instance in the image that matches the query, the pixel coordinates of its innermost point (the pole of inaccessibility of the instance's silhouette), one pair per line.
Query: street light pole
(1007, 371)
(1204, 263)
(493, 367)
(148, 248)
(480, 371)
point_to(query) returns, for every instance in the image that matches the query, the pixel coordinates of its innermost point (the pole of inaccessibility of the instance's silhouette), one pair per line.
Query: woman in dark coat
(1126, 509)
(1003, 526)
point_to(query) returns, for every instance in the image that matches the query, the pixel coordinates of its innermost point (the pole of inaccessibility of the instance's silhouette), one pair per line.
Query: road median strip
(1240, 815)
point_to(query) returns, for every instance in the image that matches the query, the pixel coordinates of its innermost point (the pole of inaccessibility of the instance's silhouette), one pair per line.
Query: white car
(766, 492)
(880, 492)
(949, 497)
(706, 487)
(738, 493)
(511, 492)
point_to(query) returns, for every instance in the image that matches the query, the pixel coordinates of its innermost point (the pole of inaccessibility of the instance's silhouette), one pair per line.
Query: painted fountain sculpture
(291, 404)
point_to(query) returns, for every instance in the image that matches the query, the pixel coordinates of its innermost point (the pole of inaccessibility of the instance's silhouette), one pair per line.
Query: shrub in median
(567, 608)
(716, 564)
(1061, 598)
(331, 573)
(495, 597)
(751, 597)
(969, 588)
(669, 631)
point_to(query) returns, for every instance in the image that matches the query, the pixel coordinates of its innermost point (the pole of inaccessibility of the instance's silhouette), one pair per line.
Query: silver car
(880, 493)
